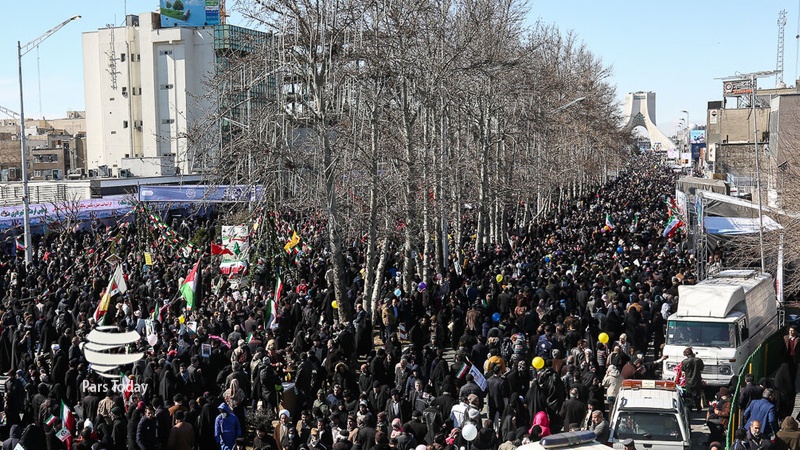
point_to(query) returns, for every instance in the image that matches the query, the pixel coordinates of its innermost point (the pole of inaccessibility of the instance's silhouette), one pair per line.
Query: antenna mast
(779, 63)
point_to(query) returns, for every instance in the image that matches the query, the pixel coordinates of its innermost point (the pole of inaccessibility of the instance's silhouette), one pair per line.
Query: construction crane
(9, 113)
(779, 63)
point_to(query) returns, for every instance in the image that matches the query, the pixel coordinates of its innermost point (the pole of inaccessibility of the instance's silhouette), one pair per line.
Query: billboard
(697, 136)
(737, 87)
(200, 193)
(189, 13)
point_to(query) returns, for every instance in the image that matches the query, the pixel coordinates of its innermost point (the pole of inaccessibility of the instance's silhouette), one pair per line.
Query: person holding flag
(189, 288)
(116, 285)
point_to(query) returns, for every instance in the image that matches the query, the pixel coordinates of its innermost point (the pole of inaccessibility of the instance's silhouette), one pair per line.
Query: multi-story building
(146, 88)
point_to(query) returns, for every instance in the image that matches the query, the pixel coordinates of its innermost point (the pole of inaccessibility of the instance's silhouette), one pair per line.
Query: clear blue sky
(675, 49)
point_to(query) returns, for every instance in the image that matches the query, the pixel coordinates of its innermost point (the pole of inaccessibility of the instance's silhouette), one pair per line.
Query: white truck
(723, 318)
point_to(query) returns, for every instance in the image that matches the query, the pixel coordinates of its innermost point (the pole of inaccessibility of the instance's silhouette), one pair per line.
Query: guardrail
(763, 362)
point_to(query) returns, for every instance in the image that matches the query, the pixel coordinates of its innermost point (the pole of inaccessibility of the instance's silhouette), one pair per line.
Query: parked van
(653, 414)
(723, 318)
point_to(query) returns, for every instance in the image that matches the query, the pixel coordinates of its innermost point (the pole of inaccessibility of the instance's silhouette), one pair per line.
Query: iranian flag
(68, 420)
(278, 290)
(271, 309)
(608, 225)
(673, 225)
(189, 287)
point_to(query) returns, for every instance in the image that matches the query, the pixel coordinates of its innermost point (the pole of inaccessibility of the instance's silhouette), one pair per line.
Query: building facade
(144, 87)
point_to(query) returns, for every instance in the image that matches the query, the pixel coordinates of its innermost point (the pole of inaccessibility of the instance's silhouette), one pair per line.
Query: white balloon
(470, 431)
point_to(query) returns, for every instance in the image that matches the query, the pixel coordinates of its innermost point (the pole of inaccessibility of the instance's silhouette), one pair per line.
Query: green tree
(178, 5)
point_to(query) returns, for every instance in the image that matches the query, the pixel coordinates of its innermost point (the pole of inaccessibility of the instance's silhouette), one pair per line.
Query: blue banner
(200, 193)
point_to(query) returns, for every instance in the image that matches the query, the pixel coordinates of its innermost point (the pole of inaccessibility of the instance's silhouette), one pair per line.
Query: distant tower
(640, 110)
(779, 62)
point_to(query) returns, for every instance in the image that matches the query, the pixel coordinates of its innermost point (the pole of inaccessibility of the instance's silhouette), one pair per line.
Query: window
(113, 132)
(37, 158)
(111, 99)
(167, 121)
(124, 124)
(648, 426)
(122, 57)
(37, 173)
(701, 334)
(124, 91)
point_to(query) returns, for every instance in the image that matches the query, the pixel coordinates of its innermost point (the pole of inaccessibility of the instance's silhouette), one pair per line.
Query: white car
(574, 440)
(653, 414)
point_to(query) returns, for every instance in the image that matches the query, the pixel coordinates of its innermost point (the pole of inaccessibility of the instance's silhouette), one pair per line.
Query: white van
(724, 319)
(653, 414)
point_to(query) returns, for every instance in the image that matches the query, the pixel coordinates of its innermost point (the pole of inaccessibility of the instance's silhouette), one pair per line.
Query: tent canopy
(731, 226)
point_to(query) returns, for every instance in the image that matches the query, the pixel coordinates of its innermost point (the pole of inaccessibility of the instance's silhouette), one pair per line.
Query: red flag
(220, 250)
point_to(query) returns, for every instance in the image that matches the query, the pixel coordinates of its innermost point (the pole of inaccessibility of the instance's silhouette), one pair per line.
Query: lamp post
(22, 50)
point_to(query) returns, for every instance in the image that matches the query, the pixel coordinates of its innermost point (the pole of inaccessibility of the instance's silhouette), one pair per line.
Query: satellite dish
(470, 432)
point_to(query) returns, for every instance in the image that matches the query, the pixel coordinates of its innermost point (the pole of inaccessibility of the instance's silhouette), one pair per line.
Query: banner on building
(200, 193)
(737, 87)
(189, 13)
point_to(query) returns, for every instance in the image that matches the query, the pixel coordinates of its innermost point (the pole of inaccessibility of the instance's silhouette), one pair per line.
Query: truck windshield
(700, 334)
(647, 426)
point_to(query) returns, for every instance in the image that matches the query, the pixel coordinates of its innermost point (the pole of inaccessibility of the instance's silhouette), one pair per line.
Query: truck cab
(723, 319)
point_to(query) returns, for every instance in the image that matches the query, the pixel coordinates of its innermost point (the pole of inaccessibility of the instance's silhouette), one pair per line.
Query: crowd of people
(409, 372)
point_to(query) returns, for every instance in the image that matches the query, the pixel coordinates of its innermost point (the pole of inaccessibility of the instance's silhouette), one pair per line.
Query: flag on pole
(189, 287)
(220, 250)
(673, 224)
(278, 291)
(609, 225)
(463, 370)
(51, 420)
(116, 285)
(292, 242)
(18, 245)
(69, 423)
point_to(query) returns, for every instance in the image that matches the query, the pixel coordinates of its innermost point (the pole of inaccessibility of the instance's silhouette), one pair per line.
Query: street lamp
(22, 50)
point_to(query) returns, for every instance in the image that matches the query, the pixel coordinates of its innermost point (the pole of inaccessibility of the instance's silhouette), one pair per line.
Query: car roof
(656, 399)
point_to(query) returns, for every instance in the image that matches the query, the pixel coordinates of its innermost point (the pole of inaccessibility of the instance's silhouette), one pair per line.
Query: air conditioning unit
(123, 173)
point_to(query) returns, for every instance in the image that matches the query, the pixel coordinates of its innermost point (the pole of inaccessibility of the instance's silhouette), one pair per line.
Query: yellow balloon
(181, 319)
(538, 363)
(603, 338)
(335, 304)
(499, 278)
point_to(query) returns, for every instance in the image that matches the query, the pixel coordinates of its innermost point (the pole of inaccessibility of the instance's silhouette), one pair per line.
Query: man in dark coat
(497, 388)
(693, 369)
(119, 429)
(573, 410)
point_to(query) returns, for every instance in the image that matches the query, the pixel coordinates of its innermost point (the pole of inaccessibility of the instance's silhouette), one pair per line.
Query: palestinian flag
(189, 287)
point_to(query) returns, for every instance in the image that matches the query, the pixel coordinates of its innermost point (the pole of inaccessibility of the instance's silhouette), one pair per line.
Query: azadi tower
(640, 110)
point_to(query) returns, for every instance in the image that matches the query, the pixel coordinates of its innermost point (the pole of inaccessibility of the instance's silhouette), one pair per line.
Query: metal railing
(761, 364)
